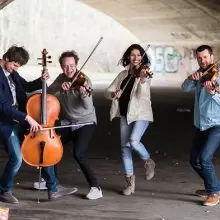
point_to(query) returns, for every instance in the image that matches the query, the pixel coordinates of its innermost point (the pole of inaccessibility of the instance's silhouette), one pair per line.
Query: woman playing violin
(130, 95)
(77, 108)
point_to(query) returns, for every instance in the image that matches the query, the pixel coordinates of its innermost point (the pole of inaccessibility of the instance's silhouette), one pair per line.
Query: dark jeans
(13, 149)
(204, 146)
(81, 139)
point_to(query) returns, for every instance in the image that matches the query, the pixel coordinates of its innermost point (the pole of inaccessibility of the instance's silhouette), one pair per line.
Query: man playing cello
(13, 89)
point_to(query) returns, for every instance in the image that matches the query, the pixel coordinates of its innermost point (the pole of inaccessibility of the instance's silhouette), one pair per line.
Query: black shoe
(8, 197)
(62, 191)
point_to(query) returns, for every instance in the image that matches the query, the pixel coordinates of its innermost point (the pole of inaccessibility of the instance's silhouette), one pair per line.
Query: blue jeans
(50, 177)
(13, 149)
(130, 140)
(14, 162)
(204, 146)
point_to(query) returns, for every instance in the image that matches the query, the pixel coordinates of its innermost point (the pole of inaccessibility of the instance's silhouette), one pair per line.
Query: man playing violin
(13, 98)
(207, 123)
(77, 108)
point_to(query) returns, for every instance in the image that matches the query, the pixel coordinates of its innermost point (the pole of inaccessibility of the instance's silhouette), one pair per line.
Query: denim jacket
(207, 106)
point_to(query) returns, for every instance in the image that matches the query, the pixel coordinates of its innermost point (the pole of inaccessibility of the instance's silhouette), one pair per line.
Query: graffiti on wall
(169, 59)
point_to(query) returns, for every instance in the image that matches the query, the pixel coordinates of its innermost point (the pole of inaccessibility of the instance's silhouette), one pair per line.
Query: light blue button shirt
(207, 106)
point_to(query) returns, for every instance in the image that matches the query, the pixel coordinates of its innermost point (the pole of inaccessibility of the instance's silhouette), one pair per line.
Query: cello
(42, 148)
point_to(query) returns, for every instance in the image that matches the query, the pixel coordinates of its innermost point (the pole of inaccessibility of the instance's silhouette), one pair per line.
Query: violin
(81, 81)
(79, 78)
(137, 71)
(211, 74)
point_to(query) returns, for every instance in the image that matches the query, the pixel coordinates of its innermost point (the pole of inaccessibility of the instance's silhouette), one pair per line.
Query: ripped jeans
(130, 140)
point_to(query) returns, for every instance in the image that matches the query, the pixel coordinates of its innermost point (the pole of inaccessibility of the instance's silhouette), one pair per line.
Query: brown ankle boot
(130, 188)
(149, 166)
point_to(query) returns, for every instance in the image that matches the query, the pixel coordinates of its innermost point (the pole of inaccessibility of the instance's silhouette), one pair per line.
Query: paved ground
(168, 196)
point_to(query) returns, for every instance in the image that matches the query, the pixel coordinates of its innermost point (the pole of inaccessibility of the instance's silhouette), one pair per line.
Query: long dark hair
(124, 61)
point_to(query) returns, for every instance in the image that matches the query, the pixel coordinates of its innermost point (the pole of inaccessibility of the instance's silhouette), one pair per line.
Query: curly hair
(17, 54)
(70, 53)
(125, 60)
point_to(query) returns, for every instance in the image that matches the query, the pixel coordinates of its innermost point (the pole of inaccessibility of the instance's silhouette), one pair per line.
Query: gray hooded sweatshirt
(74, 107)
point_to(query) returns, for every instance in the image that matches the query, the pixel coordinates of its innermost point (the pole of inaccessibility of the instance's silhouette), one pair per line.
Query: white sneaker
(94, 193)
(42, 184)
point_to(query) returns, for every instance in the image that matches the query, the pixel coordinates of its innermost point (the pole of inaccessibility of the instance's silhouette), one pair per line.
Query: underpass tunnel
(174, 29)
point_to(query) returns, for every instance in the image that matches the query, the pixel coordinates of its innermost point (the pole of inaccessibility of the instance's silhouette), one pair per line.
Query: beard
(205, 65)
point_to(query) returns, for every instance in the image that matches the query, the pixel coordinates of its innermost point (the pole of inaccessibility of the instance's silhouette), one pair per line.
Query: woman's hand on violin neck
(45, 75)
(116, 94)
(194, 76)
(35, 126)
(66, 86)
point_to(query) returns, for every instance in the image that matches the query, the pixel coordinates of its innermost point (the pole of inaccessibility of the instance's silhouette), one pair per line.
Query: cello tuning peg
(39, 58)
(49, 57)
(39, 63)
(49, 61)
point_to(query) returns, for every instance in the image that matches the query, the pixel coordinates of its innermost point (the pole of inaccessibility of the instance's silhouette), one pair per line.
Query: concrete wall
(60, 25)
(172, 64)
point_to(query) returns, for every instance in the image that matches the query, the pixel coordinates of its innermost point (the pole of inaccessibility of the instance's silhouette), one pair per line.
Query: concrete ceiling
(165, 20)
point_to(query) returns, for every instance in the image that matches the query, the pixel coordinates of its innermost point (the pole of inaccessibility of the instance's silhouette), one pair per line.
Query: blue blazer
(9, 113)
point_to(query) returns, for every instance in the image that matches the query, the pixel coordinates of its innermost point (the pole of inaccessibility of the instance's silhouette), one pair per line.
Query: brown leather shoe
(8, 197)
(62, 191)
(212, 200)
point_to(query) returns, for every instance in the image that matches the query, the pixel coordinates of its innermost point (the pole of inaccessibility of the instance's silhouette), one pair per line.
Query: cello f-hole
(33, 136)
(42, 145)
(51, 136)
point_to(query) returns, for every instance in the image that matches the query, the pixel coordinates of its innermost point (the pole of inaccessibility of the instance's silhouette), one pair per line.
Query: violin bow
(79, 71)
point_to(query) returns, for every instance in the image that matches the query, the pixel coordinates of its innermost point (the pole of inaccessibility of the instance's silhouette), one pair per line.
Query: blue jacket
(9, 113)
(207, 106)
